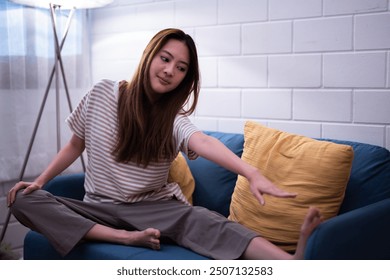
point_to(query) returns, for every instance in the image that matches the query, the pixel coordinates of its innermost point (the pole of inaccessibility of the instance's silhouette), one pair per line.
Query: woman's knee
(23, 201)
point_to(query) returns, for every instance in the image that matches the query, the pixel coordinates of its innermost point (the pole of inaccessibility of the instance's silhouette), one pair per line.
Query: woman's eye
(165, 59)
(181, 69)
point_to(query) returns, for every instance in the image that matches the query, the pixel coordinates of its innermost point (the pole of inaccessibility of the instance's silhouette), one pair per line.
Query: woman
(132, 131)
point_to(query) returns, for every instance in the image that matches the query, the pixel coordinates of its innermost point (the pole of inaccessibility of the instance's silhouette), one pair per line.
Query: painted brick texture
(319, 68)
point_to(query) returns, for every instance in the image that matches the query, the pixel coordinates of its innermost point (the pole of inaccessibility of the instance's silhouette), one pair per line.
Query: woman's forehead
(178, 50)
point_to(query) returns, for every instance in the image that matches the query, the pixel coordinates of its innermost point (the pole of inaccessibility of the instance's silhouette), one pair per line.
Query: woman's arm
(214, 150)
(65, 157)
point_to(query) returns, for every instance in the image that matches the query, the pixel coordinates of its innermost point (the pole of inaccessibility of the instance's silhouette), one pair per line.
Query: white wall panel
(319, 68)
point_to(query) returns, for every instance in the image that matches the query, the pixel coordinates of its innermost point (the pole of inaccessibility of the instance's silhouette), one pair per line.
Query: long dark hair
(145, 129)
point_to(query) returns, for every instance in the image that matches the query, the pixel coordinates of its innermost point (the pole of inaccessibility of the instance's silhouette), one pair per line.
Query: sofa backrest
(214, 185)
(69, 185)
(370, 176)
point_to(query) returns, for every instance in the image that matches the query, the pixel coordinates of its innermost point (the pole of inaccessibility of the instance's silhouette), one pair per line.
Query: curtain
(27, 54)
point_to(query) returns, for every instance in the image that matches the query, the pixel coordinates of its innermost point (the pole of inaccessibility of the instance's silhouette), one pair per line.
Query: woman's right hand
(27, 186)
(65, 157)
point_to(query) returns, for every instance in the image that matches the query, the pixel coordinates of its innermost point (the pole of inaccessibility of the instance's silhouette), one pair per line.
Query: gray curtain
(26, 60)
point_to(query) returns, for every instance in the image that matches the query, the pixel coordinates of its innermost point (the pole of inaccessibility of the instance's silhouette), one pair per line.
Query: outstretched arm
(65, 157)
(214, 150)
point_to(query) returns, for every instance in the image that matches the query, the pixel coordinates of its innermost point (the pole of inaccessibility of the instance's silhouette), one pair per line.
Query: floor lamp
(54, 5)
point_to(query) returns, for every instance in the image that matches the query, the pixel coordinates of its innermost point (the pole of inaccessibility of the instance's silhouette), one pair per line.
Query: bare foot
(149, 237)
(312, 220)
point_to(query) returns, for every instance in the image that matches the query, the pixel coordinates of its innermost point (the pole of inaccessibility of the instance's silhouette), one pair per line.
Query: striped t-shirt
(106, 180)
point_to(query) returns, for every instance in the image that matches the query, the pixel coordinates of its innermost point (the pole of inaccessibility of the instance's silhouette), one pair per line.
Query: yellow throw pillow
(181, 174)
(318, 171)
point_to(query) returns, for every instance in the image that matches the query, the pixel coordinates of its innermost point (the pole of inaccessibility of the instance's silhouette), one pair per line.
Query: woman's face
(169, 67)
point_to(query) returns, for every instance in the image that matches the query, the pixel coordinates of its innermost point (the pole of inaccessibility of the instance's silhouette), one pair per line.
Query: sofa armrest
(70, 185)
(359, 234)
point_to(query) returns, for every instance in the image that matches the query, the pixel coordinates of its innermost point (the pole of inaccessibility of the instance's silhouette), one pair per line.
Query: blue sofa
(360, 231)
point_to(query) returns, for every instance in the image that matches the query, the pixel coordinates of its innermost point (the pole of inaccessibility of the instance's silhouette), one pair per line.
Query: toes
(313, 212)
(312, 220)
(155, 246)
(152, 232)
(153, 236)
(313, 215)
(157, 234)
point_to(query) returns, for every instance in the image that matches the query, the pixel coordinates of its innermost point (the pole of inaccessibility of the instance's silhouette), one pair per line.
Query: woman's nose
(169, 70)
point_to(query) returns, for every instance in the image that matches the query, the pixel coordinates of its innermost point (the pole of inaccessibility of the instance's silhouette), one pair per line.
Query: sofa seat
(39, 246)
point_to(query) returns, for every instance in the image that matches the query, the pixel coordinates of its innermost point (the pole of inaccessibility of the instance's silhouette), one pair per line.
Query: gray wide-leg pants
(65, 221)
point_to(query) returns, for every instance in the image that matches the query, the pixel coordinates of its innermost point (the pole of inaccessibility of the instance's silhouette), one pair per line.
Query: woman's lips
(163, 81)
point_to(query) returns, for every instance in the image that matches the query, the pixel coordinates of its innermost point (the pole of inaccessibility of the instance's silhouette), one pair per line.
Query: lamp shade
(64, 4)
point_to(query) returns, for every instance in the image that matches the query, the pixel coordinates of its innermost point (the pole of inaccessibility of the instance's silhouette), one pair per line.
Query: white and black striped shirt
(106, 180)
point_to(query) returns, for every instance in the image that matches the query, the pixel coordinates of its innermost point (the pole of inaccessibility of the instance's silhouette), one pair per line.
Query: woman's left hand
(260, 185)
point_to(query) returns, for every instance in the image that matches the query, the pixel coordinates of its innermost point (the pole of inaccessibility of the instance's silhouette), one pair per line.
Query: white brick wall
(219, 103)
(372, 32)
(323, 34)
(273, 37)
(377, 101)
(355, 70)
(233, 11)
(319, 68)
(322, 105)
(293, 9)
(388, 137)
(218, 40)
(266, 104)
(203, 12)
(294, 70)
(337, 7)
(243, 71)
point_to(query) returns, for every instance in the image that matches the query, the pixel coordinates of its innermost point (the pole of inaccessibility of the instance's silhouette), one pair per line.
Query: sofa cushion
(361, 234)
(68, 185)
(181, 174)
(214, 184)
(317, 171)
(370, 176)
(37, 247)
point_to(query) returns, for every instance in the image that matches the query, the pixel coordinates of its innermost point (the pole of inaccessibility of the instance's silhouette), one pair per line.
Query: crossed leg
(149, 237)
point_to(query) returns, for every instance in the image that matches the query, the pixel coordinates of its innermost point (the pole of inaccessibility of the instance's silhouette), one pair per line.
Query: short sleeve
(183, 130)
(76, 120)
